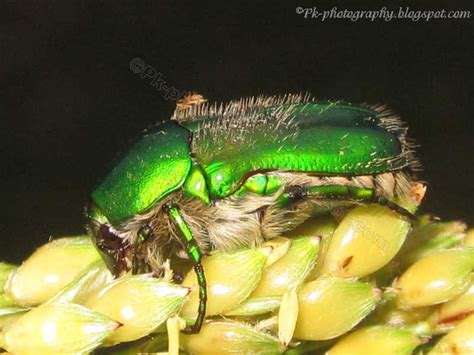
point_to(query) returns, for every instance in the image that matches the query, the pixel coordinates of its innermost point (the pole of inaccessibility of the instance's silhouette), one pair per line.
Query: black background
(69, 102)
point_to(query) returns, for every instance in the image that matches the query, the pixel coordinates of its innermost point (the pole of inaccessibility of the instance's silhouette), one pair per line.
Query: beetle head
(119, 215)
(106, 240)
(125, 246)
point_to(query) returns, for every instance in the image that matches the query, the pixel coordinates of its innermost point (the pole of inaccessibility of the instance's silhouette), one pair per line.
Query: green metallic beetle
(234, 175)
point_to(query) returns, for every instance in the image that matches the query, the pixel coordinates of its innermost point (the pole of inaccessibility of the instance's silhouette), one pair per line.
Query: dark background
(69, 101)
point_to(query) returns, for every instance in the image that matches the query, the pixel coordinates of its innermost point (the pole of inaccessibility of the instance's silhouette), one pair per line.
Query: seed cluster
(360, 282)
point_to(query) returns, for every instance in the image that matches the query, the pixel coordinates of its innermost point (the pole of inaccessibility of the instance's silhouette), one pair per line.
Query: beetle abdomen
(250, 218)
(293, 134)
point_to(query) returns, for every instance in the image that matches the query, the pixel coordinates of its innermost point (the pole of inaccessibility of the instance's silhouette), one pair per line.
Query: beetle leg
(195, 255)
(294, 193)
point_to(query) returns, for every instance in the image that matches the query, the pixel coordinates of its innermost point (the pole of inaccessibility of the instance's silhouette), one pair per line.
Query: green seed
(49, 269)
(384, 277)
(329, 307)
(63, 328)
(8, 307)
(230, 337)
(323, 227)
(367, 239)
(231, 277)
(290, 270)
(388, 314)
(377, 340)
(436, 278)
(268, 324)
(448, 314)
(429, 238)
(460, 340)
(423, 219)
(6, 301)
(256, 306)
(141, 303)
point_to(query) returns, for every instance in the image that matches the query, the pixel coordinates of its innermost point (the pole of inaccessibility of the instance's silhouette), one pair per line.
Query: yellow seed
(460, 340)
(329, 307)
(11, 313)
(377, 340)
(256, 306)
(436, 278)
(156, 344)
(141, 303)
(448, 314)
(173, 326)
(13, 310)
(469, 238)
(49, 269)
(287, 316)
(367, 239)
(290, 270)
(230, 337)
(321, 226)
(62, 328)
(88, 282)
(6, 320)
(231, 277)
(279, 247)
(5, 271)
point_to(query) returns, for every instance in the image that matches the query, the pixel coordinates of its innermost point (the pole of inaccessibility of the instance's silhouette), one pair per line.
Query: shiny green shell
(321, 138)
(154, 166)
(228, 146)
